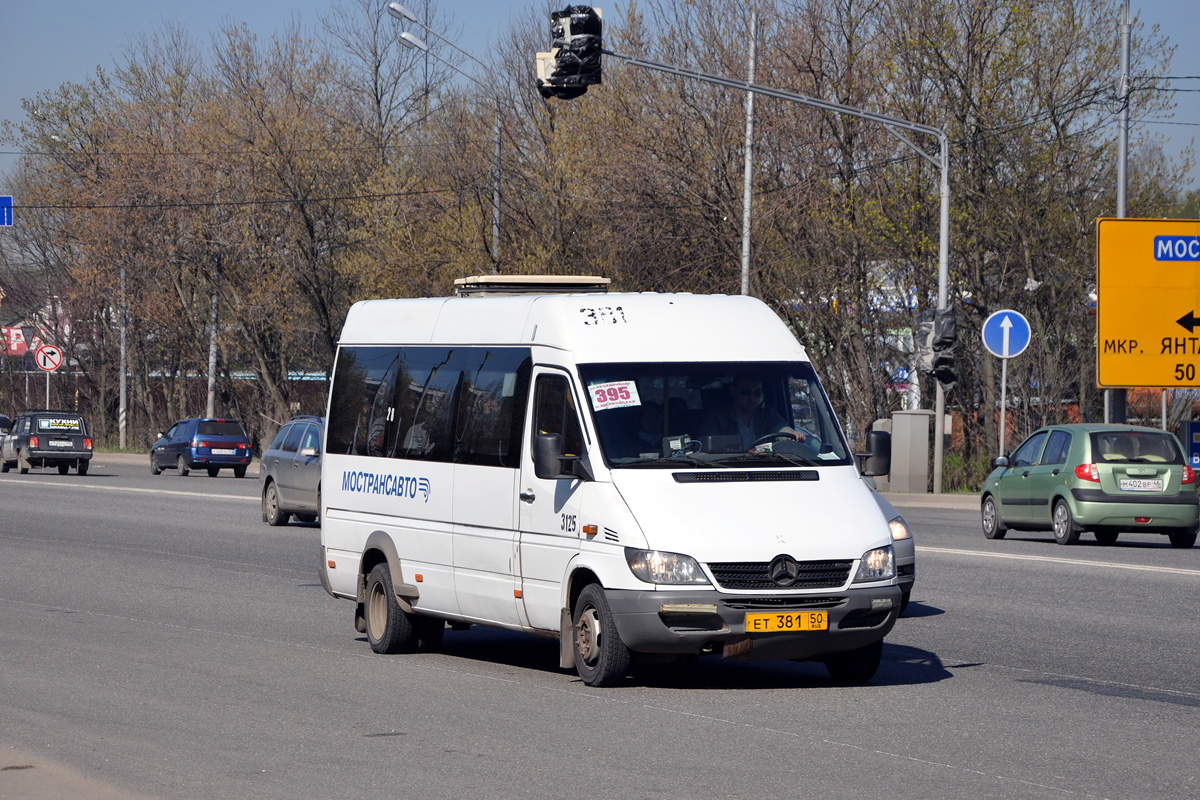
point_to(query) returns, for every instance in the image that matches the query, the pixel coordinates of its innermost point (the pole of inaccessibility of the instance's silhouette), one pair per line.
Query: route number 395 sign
(614, 394)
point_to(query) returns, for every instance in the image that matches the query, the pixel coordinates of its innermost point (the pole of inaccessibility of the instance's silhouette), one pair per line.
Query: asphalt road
(158, 641)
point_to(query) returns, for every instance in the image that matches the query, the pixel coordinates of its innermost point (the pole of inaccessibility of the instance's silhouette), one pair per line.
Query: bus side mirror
(548, 460)
(5, 424)
(878, 458)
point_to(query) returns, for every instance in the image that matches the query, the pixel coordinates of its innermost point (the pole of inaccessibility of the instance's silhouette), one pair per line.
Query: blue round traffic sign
(1006, 333)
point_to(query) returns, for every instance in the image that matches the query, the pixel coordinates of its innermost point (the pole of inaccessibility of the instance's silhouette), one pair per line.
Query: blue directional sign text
(1177, 248)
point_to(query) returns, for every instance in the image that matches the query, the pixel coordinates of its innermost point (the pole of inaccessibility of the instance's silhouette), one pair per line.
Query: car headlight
(899, 529)
(877, 565)
(655, 566)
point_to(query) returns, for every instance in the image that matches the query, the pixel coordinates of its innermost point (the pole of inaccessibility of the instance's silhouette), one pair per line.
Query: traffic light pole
(895, 126)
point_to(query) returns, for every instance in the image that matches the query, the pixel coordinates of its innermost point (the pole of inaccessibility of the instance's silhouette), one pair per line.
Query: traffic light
(936, 340)
(573, 62)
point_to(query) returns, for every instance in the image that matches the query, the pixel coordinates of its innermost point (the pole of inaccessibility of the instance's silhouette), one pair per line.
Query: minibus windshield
(712, 414)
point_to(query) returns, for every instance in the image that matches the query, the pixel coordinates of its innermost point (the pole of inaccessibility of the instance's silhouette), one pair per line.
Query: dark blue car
(202, 443)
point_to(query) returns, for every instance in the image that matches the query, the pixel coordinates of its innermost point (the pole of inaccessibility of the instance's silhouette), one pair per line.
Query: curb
(955, 501)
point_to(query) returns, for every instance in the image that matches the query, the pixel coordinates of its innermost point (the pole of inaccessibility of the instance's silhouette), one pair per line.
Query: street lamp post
(123, 409)
(409, 40)
(896, 127)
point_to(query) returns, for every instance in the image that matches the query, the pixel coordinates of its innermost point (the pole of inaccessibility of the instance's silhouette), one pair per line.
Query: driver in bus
(746, 415)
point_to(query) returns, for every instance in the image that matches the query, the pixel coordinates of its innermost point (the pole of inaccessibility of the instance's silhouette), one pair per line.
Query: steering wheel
(777, 436)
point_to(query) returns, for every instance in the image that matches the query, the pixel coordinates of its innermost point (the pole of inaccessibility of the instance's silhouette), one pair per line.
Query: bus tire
(389, 629)
(601, 658)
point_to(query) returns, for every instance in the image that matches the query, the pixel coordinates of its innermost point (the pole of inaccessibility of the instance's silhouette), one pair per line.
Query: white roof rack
(503, 285)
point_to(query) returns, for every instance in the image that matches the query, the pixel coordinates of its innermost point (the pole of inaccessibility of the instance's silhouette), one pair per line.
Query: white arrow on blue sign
(1006, 333)
(5, 211)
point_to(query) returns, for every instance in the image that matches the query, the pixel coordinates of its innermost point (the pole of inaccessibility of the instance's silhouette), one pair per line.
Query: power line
(1168, 122)
(224, 203)
(227, 153)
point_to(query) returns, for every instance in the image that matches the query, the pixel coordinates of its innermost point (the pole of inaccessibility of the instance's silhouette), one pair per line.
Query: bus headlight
(899, 529)
(877, 565)
(655, 566)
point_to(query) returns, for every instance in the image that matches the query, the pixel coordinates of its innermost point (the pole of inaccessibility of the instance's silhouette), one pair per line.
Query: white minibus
(646, 477)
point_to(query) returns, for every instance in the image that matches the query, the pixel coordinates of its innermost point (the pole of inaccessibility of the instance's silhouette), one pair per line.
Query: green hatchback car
(1100, 478)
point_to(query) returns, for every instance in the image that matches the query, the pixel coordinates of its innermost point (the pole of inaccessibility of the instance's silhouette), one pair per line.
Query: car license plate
(1140, 484)
(222, 451)
(789, 621)
(57, 443)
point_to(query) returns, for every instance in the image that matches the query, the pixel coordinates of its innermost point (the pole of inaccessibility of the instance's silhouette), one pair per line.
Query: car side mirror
(878, 458)
(308, 452)
(162, 435)
(549, 462)
(1001, 461)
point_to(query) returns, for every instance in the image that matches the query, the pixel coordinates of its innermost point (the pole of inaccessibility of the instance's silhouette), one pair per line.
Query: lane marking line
(1057, 560)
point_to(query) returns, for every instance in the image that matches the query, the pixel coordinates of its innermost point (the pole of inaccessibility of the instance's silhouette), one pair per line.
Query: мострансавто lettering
(385, 484)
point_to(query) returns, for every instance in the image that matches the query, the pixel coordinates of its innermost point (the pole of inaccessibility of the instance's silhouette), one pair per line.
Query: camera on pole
(573, 62)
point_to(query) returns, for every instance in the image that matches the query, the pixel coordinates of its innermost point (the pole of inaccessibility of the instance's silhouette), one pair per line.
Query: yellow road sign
(1147, 303)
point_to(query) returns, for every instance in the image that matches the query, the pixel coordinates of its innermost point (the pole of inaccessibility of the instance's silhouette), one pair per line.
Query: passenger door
(164, 455)
(306, 468)
(285, 472)
(10, 441)
(1046, 475)
(1013, 493)
(549, 508)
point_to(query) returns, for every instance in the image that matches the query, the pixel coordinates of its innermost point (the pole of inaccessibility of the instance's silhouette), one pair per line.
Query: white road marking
(76, 485)
(1056, 560)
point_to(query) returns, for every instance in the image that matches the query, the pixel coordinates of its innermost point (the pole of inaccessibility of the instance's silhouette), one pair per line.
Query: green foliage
(963, 473)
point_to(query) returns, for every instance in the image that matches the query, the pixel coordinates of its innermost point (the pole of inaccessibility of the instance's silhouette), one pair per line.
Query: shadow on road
(901, 666)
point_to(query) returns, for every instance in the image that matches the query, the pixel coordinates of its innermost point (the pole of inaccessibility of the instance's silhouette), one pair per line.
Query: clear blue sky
(46, 43)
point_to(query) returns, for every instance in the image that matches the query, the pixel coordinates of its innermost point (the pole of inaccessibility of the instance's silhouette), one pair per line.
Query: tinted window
(1057, 447)
(292, 443)
(1027, 453)
(277, 442)
(220, 427)
(555, 412)
(1135, 446)
(311, 438)
(464, 404)
(490, 414)
(425, 404)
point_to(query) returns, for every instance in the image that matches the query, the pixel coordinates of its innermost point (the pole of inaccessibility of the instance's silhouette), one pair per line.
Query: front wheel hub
(587, 635)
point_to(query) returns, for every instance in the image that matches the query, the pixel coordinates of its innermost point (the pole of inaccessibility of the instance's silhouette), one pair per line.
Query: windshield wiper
(799, 461)
(674, 461)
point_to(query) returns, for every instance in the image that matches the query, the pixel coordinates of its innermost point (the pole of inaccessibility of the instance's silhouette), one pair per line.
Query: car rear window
(1135, 446)
(64, 424)
(220, 427)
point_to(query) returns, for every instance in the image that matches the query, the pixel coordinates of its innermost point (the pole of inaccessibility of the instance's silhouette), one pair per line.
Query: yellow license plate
(790, 621)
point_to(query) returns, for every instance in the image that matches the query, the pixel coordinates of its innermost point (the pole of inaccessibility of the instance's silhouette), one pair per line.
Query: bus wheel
(601, 658)
(389, 629)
